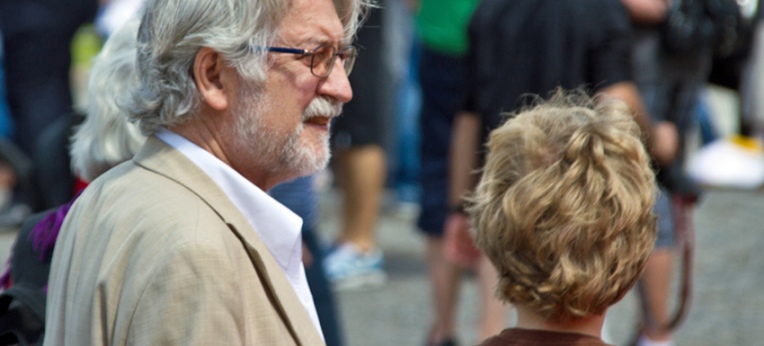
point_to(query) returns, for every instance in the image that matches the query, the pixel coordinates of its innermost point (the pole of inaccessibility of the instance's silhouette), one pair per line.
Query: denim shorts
(664, 211)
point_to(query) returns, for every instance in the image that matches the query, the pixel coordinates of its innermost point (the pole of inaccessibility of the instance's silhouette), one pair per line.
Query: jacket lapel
(161, 158)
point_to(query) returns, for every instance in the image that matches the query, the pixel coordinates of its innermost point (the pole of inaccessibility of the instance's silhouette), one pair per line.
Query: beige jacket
(153, 253)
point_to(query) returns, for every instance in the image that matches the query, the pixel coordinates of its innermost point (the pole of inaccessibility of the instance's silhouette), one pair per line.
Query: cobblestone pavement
(727, 307)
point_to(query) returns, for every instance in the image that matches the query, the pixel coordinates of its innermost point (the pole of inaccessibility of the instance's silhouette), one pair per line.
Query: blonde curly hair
(564, 206)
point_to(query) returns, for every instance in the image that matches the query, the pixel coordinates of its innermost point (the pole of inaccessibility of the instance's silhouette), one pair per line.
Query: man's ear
(208, 71)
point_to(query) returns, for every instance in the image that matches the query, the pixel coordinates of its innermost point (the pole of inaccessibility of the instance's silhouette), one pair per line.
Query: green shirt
(442, 24)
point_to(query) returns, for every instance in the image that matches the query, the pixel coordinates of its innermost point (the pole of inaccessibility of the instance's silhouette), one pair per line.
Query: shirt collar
(277, 226)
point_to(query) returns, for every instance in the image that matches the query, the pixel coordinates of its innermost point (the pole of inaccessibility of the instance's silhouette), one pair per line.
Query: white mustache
(322, 106)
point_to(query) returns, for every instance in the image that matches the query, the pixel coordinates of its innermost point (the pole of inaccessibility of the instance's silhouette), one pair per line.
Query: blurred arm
(463, 161)
(661, 138)
(647, 11)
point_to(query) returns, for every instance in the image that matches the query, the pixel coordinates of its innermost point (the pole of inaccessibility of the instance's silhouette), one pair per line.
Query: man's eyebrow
(316, 41)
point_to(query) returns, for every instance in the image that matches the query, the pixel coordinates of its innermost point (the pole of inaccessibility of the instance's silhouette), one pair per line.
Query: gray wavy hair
(173, 31)
(106, 138)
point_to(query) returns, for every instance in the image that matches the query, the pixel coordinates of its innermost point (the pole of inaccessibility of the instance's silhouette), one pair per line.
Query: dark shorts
(440, 77)
(364, 119)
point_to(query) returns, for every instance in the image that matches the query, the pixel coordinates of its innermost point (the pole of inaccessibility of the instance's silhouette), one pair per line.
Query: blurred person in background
(528, 48)
(102, 141)
(408, 100)
(6, 125)
(670, 82)
(360, 162)
(14, 165)
(751, 76)
(36, 37)
(441, 27)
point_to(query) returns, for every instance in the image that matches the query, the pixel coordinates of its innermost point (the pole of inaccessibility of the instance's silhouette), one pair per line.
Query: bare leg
(7, 182)
(7, 176)
(654, 289)
(444, 283)
(493, 316)
(362, 178)
(356, 262)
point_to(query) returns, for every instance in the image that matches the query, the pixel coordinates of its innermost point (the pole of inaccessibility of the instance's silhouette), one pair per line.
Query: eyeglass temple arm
(288, 50)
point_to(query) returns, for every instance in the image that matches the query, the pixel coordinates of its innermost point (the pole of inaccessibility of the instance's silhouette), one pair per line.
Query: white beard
(282, 153)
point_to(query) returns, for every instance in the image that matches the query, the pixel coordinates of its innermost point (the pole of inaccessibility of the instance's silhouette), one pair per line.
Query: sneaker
(347, 268)
(645, 341)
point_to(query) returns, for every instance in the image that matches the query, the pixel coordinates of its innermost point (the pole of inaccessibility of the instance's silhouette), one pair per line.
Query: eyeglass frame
(312, 53)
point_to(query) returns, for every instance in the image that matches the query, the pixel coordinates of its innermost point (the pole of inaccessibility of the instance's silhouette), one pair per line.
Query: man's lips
(319, 120)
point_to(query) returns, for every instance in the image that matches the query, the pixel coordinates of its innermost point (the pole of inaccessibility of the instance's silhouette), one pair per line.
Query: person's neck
(589, 325)
(206, 135)
(204, 132)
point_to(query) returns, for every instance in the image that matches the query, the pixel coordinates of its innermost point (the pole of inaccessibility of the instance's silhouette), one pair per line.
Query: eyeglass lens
(324, 57)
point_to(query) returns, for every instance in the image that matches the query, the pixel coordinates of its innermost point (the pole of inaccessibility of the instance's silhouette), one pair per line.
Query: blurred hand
(664, 142)
(459, 247)
(648, 12)
(307, 257)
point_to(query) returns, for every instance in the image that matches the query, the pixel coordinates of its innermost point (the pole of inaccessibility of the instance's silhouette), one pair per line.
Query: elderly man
(181, 245)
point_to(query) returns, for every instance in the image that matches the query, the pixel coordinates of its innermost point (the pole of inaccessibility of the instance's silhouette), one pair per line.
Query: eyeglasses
(322, 58)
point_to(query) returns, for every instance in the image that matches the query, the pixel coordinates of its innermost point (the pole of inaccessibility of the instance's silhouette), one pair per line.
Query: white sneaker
(645, 341)
(347, 267)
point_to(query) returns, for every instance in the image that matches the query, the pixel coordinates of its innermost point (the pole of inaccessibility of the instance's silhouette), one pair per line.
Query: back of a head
(564, 206)
(173, 31)
(106, 138)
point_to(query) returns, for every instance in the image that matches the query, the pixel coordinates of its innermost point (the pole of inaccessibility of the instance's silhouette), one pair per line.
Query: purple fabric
(43, 237)
(45, 232)
(5, 279)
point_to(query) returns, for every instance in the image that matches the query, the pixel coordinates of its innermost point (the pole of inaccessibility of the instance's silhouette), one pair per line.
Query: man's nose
(337, 84)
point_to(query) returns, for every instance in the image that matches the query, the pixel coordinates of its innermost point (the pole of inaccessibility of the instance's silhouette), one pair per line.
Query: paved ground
(727, 307)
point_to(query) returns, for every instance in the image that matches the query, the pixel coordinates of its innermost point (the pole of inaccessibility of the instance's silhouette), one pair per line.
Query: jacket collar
(157, 156)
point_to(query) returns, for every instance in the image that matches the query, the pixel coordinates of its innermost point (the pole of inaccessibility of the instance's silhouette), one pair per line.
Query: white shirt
(277, 226)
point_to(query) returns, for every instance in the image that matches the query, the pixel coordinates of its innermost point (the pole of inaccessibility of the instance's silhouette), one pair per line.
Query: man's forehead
(312, 22)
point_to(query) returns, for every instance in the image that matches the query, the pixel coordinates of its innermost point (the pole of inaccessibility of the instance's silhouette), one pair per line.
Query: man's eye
(323, 54)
